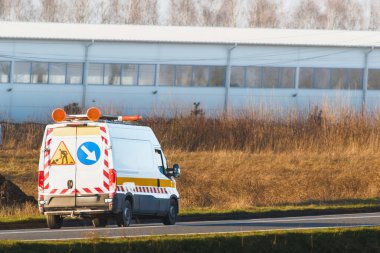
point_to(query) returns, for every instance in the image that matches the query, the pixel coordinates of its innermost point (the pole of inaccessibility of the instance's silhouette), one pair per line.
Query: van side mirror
(176, 170)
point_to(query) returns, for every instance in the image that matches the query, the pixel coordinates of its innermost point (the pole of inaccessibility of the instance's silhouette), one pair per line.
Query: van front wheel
(124, 218)
(54, 221)
(171, 216)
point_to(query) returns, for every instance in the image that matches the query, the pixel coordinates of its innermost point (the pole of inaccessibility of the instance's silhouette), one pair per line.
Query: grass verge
(318, 240)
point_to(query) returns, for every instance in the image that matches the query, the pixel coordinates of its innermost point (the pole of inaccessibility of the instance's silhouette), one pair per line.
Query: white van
(99, 168)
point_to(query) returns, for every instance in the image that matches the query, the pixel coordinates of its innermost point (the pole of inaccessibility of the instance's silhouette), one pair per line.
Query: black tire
(99, 222)
(171, 217)
(124, 219)
(54, 221)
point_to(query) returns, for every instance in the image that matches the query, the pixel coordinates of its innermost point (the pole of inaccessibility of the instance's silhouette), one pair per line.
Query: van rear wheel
(99, 222)
(54, 221)
(124, 218)
(171, 217)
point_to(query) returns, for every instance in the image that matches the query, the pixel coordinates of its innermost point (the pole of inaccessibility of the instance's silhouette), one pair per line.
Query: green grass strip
(319, 240)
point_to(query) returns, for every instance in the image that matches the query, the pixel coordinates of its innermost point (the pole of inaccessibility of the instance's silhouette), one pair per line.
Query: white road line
(204, 233)
(277, 220)
(290, 219)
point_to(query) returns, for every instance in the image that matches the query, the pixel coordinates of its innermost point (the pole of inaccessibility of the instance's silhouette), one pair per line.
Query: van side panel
(133, 151)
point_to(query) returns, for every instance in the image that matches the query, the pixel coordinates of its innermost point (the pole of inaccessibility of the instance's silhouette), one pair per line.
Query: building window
(200, 75)
(306, 78)
(217, 75)
(321, 78)
(74, 73)
(95, 73)
(374, 79)
(184, 75)
(129, 74)
(237, 76)
(355, 79)
(146, 75)
(166, 75)
(287, 78)
(112, 73)
(338, 78)
(57, 72)
(22, 72)
(270, 77)
(39, 72)
(254, 77)
(5, 69)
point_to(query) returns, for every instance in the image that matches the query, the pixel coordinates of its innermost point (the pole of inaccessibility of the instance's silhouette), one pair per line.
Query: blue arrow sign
(88, 153)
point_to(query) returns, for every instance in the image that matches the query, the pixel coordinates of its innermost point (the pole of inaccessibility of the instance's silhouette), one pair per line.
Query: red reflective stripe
(106, 185)
(105, 173)
(53, 191)
(98, 190)
(63, 191)
(106, 163)
(87, 190)
(47, 186)
(104, 140)
(103, 129)
(106, 152)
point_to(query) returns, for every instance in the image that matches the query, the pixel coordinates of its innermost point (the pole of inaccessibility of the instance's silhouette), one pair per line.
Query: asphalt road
(201, 227)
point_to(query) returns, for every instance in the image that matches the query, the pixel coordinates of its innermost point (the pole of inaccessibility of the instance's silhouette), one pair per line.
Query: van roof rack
(92, 114)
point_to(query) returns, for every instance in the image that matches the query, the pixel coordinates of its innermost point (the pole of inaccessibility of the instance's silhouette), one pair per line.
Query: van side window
(159, 161)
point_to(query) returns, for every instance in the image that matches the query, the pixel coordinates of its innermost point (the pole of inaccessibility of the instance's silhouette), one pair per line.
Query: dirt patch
(11, 194)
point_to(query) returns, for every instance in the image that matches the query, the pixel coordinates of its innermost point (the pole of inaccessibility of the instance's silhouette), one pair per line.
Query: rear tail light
(112, 178)
(41, 179)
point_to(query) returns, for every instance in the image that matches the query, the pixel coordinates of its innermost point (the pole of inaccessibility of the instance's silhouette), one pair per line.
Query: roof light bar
(93, 114)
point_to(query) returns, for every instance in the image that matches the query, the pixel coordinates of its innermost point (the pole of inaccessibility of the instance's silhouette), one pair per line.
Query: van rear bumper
(76, 205)
(79, 212)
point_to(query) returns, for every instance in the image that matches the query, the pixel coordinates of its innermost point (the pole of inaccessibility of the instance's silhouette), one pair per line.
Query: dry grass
(18, 212)
(253, 159)
(233, 179)
(236, 179)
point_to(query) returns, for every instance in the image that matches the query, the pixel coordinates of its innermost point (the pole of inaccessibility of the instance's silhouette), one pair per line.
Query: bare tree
(183, 12)
(227, 13)
(5, 9)
(23, 10)
(219, 12)
(81, 11)
(308, 15)
(134, 12)
(149, 12)
(50, 10)
(344, 14)
(113, 12)
(263, 13)
(374, 16)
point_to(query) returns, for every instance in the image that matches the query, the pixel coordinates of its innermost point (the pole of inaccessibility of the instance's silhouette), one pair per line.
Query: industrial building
(155, 69)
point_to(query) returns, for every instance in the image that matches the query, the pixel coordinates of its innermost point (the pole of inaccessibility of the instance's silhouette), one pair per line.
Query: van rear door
(59, 179)
(91, 168)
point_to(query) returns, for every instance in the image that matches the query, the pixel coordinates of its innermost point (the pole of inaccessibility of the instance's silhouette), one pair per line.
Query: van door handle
(70, 184)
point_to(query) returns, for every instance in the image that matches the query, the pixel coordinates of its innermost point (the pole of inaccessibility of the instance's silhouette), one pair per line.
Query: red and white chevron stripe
(106, 161)
(142, 189)
(49, 132)
(80, 191)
